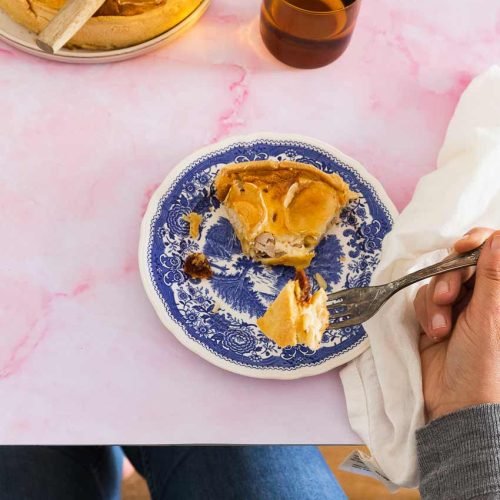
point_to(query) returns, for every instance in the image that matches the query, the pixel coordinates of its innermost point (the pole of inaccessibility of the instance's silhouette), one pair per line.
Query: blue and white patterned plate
(216, 318)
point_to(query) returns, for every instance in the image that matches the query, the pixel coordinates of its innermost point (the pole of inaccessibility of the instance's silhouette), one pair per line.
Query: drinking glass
(308, 33)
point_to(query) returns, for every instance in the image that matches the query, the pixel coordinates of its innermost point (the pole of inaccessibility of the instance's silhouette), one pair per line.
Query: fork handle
(467, 259)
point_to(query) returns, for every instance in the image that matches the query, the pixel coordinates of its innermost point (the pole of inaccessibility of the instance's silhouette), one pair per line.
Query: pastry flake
(194, 220)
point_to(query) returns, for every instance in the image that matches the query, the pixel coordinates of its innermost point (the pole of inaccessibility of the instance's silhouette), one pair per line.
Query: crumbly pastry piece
(117, 24)
(296, 316)
(194, 220)
(281, 210)
(197, 266)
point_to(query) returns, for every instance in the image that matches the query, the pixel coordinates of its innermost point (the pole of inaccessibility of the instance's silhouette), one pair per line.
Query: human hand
(459, 313)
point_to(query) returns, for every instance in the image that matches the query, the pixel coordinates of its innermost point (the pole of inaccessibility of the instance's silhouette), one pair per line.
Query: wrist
(447, 409)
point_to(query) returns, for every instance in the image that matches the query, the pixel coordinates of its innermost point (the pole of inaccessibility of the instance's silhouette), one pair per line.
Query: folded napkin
(383, 386)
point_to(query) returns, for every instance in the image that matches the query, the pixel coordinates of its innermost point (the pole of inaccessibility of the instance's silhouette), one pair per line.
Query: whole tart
(117, 24)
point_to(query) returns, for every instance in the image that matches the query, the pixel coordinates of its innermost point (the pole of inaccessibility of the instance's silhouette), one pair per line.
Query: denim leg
(235, 473)
(60, 473)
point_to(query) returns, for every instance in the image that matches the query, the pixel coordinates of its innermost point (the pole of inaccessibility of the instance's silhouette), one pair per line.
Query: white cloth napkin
(383, 386)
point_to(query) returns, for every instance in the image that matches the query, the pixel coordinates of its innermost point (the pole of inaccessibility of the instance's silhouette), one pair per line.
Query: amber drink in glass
(308, 33)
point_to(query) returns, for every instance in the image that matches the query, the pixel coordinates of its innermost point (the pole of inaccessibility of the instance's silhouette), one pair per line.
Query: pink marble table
(83, 357)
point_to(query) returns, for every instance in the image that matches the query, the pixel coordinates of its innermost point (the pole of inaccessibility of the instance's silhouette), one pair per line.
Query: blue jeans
(172, 472)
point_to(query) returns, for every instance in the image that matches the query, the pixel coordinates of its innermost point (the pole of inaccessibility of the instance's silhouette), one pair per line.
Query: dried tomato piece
(197, 266)
(305, 286)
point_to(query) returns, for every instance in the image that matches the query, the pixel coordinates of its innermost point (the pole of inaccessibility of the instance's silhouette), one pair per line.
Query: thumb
(486, 297)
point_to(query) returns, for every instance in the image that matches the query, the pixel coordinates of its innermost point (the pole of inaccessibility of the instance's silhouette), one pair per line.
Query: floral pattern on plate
(217, 317)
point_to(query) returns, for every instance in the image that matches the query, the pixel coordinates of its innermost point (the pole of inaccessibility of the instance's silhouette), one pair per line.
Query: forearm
(459, 455)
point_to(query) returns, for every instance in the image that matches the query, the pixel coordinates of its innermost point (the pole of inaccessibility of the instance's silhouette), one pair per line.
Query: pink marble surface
(83, 358)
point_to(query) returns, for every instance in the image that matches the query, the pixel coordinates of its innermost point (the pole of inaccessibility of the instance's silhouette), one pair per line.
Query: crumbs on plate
(196, 265)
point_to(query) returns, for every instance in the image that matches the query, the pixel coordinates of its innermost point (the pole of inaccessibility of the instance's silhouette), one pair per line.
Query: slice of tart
(296, 316)
(281, 210)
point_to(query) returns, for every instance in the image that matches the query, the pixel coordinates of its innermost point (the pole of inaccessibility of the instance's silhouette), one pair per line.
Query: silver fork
(355, 305)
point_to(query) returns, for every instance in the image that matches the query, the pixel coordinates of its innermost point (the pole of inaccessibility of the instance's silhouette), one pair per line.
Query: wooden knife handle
(66, 23)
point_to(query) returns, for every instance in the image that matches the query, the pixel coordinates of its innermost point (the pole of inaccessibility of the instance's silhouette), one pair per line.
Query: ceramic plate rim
(103, 56)
(157, 303)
